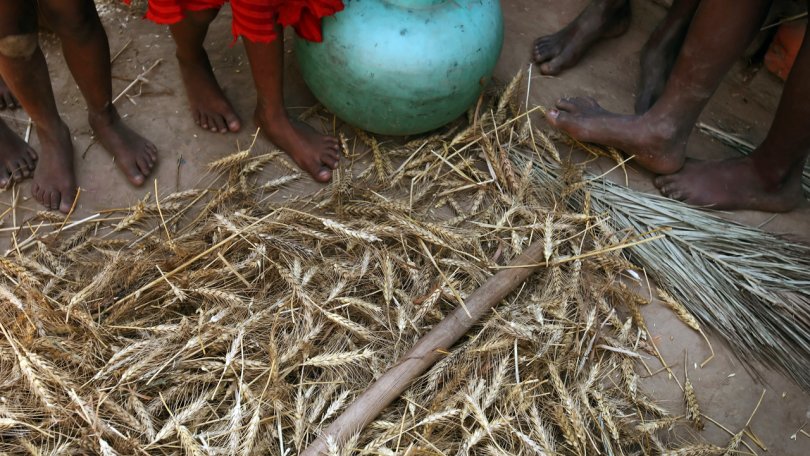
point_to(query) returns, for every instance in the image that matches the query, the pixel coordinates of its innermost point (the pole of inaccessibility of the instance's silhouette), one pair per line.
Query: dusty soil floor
(727, 392)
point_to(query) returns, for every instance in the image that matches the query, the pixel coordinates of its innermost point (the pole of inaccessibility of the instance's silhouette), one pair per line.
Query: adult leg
(770, 179)
(87, 53)
(7, 99)
(314, 153)
(659, 52)
(600, 19)
(209, 106)
(657, 139)
(23, 66)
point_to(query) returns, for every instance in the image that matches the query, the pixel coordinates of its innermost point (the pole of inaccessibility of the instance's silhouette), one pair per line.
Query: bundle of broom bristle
(218, 321)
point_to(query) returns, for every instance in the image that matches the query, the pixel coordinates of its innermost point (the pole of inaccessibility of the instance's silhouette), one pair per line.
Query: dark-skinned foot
(731, 185)
(54, 184)
(17, 158)
(657, 146)
(7, 100)
(210, 108)
(133, 154)
(313, 152)
(561, 50)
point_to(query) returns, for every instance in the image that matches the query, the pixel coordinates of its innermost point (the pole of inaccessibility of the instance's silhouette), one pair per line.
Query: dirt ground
(726, 390)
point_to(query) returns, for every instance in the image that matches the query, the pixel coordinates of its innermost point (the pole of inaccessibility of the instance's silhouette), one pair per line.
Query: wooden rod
(427, 351)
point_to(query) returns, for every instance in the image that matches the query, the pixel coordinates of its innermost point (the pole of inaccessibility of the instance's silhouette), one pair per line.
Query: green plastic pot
(401, 67)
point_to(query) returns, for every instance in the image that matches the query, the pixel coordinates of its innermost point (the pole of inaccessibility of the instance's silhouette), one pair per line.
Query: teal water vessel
(401, 67)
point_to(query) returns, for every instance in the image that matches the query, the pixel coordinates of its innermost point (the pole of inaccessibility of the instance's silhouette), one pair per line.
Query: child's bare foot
(7, 100)
(133, 154)
(209, 107)
(54, 184)
(315, 153)
(600, 19)
(732, 184)
(17, 159)
(656, 145)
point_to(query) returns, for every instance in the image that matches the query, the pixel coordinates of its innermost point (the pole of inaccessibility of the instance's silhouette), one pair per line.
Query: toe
(134, 174)
(32, 154)
(661, 181)
(543, 50)
(27, 162)
(331, 162)
(24, 168)
(54, 200)
(219, 123)
(151, 150)
(5, 179)
(197, 118)
(234, 124)
(143, 165)
(2, 103)
(554, 66)
(566, 104)
(203, 121)
(67, 201)
(324, 175)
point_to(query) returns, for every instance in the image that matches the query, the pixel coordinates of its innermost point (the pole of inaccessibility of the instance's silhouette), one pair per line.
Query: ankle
(771, 173)
(272, 114)
(51, 128)
(107, 115)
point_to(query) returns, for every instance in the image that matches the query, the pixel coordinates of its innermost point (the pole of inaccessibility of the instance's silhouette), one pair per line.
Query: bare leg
(314, 153)
(600, 19)
(26, 73)
(87, 53)
(659, 53)
(209, 107)
(7, 100)
(657, 139)
(770, 178)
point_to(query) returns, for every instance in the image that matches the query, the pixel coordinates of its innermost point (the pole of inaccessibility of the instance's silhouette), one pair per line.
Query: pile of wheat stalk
(220, 321)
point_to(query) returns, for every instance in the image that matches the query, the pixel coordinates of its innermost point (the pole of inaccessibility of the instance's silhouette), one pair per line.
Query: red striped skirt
(254, 20)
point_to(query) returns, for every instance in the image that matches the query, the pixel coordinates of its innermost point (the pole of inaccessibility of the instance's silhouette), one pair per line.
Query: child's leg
(7, 99)
(657, 139)
(314, 153)
(660, 50)
(600, 19)
(26, 73)
(87, 53)
(209, 107)
(771, 178)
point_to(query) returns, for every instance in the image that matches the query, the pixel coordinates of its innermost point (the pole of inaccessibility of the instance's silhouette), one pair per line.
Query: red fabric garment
(254, 20)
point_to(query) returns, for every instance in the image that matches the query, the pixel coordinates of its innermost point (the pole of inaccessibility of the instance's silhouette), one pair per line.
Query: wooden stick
(140, 78)
(427, 351)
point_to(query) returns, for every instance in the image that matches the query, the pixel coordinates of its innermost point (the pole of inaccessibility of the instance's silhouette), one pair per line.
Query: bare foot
(600, 19)
(54, 184)
(732, 184)
(656, 145)
(315, 153)
(7, 100)
(209, 107)
(17, 159)
(133, 154)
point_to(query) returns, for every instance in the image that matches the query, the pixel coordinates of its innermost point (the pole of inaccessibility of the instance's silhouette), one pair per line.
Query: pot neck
(415, 4)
